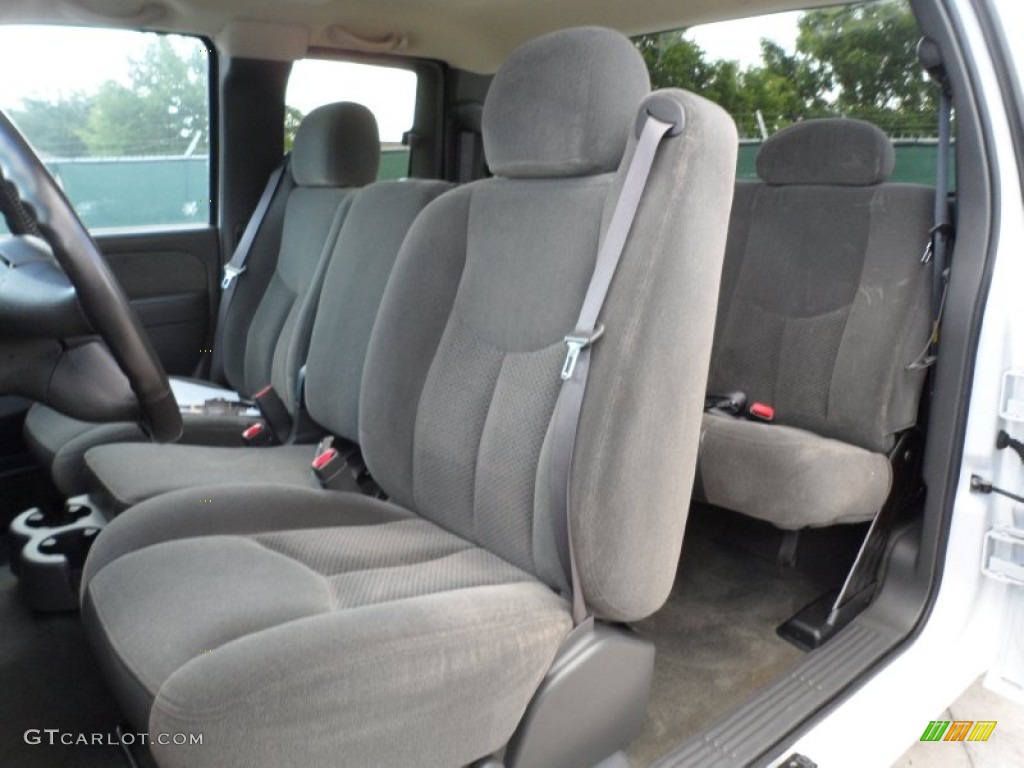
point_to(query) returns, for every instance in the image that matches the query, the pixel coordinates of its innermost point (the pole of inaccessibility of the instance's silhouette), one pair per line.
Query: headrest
(564, 104)
(337, 145)
(835, 151)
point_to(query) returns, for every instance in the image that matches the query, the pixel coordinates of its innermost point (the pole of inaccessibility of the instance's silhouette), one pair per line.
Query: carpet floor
(715, 637)
(48, 679)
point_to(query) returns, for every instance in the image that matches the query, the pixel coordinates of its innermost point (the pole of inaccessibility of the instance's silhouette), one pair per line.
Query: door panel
(170, 278)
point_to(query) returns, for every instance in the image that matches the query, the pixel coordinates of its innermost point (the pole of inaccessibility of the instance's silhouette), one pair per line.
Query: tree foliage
(54, 125)
(292, 117)
(161, 110)
(855, 60)
(867, 54)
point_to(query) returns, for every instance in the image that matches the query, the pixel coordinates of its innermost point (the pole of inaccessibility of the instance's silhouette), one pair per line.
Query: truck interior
(296, 469)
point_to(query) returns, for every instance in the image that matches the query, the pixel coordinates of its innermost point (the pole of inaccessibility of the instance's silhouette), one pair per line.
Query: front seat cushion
(790, 477)
(331, 615)
(60, 442)
(127, 473)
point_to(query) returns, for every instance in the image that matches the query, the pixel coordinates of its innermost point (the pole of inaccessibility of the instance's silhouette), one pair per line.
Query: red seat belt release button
(331, 470)
(324, 458)
(762, 411)
(257, 434)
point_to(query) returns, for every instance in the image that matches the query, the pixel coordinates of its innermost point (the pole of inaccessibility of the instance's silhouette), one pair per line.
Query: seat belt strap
(469, 153)
(576, 367)
(236, 266)
(940, 235)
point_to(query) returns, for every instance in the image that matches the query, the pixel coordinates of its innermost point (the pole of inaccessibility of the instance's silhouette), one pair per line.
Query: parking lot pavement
(1005, 747)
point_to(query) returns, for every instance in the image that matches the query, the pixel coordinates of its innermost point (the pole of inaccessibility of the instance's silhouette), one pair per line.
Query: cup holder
(51, 568)
(50, 547)
(57, 517)
(73, 545)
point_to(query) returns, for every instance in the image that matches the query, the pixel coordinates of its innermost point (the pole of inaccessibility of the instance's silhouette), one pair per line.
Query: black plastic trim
(213, 126)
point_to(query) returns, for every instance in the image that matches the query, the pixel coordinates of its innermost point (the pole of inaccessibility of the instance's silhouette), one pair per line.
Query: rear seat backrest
(824, 297)
(462, 371)
(336, 150)
(358, 271)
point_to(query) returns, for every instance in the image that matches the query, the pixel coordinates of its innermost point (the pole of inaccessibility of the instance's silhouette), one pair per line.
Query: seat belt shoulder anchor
(576, 342)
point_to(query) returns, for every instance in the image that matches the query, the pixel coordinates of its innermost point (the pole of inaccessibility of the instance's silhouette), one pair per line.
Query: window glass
(771, 71)
(120, 118)
(388, 92)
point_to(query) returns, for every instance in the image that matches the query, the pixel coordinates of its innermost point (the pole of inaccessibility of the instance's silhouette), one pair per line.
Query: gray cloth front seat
(358, 268)
(824, 304)
(301, 627)
(266, 332)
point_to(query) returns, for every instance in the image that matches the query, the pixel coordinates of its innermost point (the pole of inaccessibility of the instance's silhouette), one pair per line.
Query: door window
(120, 118)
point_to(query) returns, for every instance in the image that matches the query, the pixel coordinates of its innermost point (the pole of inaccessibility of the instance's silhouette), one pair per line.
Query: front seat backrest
(336, 150)
(462, 372)
(358, 272)
(825, 300)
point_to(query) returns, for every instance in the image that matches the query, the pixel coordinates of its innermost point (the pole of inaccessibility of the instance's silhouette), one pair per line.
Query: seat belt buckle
(727, 404)
(231, 273)
(576, 342)
(257, 435)
(762, 412)
(274, 413)
(330, 466)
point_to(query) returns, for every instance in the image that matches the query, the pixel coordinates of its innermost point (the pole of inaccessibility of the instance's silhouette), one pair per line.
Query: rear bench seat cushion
(790, 477)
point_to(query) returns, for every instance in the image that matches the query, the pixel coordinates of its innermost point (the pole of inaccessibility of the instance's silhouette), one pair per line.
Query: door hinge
(1002, 554)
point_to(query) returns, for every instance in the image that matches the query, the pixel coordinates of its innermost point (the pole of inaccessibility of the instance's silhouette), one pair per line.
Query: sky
(740, 39)
(99, 55)
(26, 55)
(388, 92)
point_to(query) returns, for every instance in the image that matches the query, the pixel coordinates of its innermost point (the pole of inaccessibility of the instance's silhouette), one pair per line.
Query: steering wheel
(55, 288)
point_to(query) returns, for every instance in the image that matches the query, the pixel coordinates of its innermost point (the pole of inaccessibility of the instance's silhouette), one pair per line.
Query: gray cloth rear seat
(345, 631)
(359, 266)
(266, 333)
(824, 303)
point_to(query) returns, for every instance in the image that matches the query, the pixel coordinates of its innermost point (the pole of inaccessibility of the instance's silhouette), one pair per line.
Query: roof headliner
(470, 34)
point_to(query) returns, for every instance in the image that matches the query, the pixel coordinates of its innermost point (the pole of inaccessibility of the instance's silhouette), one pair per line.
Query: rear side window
(120, 118)
(388, 92)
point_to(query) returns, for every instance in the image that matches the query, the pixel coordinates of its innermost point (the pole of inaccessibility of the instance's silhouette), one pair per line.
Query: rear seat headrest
(834, 151)
(563, 104)
(337, 145)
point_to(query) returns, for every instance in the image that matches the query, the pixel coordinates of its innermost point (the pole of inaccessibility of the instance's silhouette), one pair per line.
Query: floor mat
(715, 638)
(48, 679)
